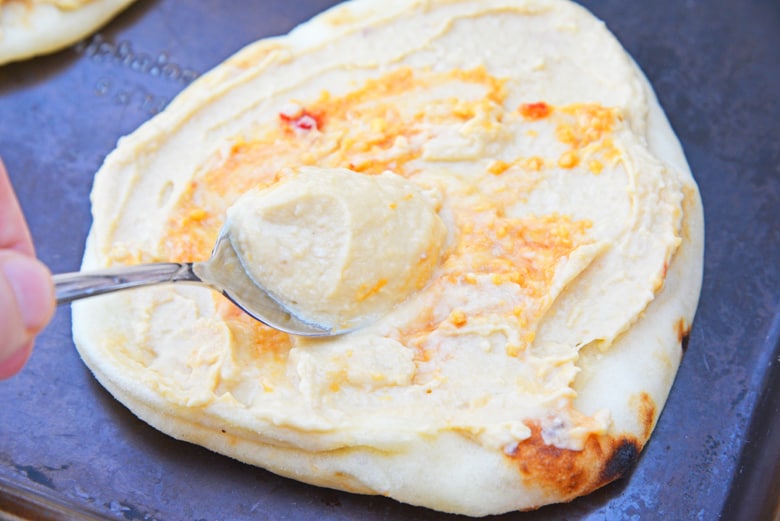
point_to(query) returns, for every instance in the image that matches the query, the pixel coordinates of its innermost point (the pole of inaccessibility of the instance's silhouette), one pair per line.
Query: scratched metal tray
(69, 451)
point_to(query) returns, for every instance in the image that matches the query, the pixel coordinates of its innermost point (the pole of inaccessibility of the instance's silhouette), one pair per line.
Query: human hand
(26, 290)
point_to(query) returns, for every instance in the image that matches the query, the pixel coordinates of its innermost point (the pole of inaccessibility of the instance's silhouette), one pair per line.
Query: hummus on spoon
(336, 247)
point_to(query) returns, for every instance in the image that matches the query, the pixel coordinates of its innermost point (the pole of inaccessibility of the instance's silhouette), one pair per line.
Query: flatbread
(33, 27)
(533, 365)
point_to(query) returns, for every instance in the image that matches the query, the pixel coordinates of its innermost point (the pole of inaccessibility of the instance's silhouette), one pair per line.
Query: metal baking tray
(69, 451)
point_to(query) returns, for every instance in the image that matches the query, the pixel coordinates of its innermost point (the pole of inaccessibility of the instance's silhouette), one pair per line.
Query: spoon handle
(73, 286)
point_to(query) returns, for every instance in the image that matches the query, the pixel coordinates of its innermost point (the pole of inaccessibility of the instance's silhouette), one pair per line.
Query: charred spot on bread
(621, 460)
(683, 332)
(646, 409)
(569, 473)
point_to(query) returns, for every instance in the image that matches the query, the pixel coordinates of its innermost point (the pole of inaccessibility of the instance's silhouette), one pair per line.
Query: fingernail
(31, 283)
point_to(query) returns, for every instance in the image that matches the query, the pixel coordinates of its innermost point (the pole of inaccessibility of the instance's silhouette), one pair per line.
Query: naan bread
(34, 27)
(532, 366)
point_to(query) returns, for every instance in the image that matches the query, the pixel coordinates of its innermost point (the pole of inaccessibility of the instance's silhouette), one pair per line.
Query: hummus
(525, 363)
(33, 27)
(336, 247)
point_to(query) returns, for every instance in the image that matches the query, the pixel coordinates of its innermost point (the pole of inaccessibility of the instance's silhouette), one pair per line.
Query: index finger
(14, 234)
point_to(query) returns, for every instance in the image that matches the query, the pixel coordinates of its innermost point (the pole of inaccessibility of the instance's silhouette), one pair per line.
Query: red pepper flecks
(535, 111)
(303, 120)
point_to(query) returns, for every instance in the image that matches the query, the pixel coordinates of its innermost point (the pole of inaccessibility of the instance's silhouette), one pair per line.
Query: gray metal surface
(67, 446)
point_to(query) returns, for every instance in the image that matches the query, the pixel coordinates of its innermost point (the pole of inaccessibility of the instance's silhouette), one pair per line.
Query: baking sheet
(68, 450)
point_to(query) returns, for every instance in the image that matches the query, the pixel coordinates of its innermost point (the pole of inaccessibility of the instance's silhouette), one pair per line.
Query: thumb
(26, 306)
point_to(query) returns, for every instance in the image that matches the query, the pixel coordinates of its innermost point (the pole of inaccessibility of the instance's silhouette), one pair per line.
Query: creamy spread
(523, 123)
(62, 4)
(25, 7)
(336, 247)
(33, 27)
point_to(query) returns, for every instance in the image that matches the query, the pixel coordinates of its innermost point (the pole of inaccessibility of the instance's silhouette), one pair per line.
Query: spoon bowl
(222, 272)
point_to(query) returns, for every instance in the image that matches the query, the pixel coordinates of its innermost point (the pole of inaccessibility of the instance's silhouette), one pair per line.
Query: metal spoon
(223, 272)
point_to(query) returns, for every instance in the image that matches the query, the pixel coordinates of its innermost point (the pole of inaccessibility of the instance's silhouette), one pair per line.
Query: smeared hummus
(338, 248)
(542, 346)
